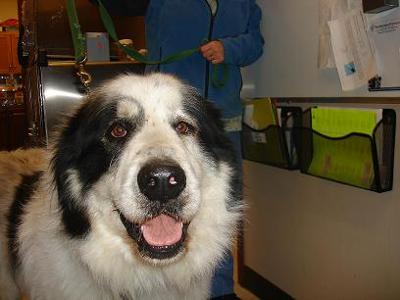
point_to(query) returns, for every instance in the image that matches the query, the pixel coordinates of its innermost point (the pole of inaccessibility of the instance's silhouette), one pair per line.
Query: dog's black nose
(161, 181)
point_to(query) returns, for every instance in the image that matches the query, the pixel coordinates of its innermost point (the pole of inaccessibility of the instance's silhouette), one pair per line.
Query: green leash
(80, 46)
(78, 38)
(109, 25)
(79, 42)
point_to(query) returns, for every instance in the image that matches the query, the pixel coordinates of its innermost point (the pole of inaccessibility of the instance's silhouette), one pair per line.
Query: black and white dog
(139, 199)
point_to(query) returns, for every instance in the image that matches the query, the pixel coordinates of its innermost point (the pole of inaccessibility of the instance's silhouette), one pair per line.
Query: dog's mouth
(161, 237)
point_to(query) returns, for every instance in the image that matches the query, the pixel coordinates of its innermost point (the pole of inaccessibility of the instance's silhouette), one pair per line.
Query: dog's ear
(214, 127)
(80, 159)
(212, 135)
(80, 146)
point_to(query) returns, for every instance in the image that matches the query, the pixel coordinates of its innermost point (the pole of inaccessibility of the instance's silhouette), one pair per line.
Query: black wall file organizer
(357, 159)
(274, 145)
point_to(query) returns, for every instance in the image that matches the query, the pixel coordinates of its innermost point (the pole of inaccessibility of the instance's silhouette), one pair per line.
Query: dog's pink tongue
(162, 231)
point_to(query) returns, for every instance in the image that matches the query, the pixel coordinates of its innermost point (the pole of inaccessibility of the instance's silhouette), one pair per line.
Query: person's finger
(213, 46)
(208, 52)
(209, 55)
(218, 56)
(216, 61)
(213, 52)
(206, 47)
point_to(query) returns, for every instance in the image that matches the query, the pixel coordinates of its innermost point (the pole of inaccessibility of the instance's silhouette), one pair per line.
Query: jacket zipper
(159, 58)
(210, 30)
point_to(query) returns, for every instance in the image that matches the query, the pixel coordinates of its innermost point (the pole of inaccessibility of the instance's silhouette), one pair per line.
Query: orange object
(9, 23)
(8, 53)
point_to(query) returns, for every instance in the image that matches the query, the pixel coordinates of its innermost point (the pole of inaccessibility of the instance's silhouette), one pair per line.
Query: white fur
(106, 265)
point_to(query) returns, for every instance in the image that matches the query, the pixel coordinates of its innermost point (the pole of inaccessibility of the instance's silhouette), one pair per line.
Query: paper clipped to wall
(384, 30)
(354, 55)
(331, 10)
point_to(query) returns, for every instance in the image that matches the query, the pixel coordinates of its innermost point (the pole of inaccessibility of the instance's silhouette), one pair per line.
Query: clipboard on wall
(384, 33)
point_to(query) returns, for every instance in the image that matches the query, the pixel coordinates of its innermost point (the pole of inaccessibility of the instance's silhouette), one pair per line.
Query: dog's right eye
(184, 128)
(117, 130)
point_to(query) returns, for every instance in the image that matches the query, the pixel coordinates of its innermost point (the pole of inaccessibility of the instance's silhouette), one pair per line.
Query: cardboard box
(98, 47)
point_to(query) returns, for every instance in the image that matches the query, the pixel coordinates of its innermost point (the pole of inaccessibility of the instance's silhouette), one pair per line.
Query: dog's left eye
(184, 128)
(118, 131)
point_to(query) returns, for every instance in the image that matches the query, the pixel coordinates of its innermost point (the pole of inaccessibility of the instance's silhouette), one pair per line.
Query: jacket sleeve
(244, 49)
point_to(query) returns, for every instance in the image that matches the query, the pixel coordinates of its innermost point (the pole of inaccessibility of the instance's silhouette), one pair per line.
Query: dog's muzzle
(163, 234)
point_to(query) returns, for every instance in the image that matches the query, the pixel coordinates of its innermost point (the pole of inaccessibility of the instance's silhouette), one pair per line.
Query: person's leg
(222, 283)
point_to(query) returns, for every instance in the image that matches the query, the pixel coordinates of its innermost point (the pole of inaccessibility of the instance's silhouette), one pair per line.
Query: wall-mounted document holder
(354, 147)
(375, 85)
(267, 135)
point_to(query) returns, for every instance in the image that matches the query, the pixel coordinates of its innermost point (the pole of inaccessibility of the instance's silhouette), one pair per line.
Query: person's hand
(213, 51)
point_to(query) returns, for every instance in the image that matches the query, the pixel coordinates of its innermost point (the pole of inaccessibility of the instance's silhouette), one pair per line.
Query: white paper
(259, 137)
(354, 56)
(384, 31)
(330, 10)
(248, 116)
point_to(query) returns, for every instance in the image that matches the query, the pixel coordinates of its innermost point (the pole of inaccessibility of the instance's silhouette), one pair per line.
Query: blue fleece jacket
(176, 25)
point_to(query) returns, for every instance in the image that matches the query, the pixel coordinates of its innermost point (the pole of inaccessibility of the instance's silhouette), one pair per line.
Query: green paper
(259, 113)
(348, 159)
(336, 122)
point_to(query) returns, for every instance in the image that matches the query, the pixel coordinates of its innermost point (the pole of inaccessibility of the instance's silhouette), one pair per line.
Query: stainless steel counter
(61, 90)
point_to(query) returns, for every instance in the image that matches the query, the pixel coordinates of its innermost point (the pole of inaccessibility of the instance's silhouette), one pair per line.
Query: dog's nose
(161, 182)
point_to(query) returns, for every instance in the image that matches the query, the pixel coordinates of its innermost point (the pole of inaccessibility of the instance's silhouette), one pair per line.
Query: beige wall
(8, 9)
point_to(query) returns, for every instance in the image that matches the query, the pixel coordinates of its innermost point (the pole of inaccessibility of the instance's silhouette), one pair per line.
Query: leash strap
(109, 25)
(79, 43)
(217, 81)
(78, 38)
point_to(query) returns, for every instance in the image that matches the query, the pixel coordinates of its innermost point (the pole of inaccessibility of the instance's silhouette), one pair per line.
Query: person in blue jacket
(226, 32)
(231, 29)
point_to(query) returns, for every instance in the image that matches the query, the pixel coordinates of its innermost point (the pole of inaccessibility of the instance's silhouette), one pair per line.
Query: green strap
(109, 25)
(217, 81)
(80, 45)
(78, 38)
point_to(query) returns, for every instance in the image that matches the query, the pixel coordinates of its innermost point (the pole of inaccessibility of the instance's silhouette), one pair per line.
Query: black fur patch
(85, 148)
(79, 148)
(22, 196)
(212, 136)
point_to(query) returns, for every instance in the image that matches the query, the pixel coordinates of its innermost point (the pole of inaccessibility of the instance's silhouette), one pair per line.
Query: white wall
(314, 238)
(288, 67)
